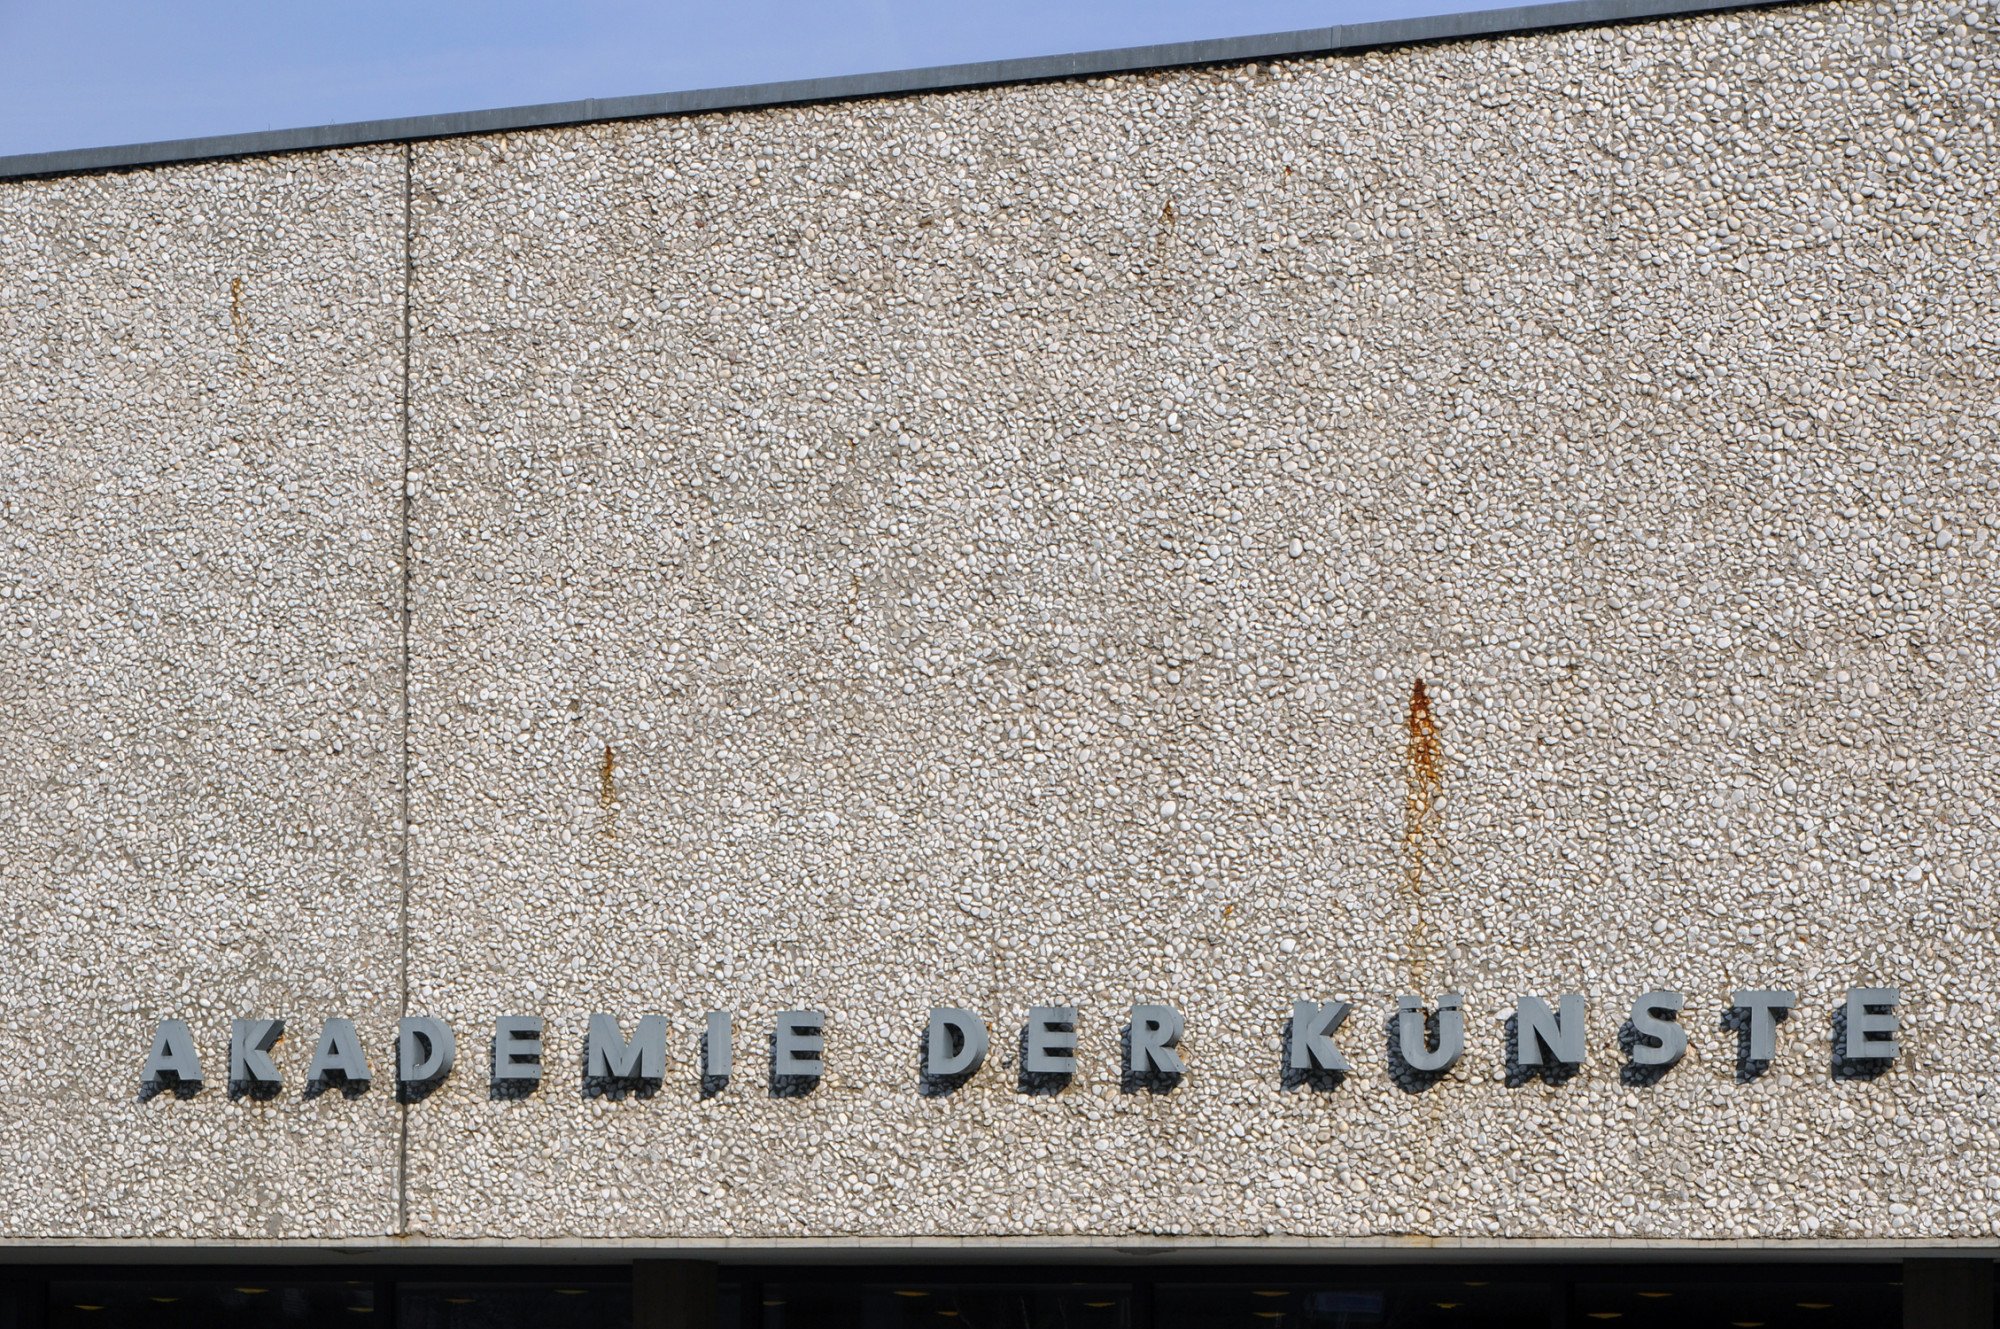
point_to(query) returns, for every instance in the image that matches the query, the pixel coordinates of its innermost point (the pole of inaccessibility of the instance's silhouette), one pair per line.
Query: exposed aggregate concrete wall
(980, 549)
(200, 693)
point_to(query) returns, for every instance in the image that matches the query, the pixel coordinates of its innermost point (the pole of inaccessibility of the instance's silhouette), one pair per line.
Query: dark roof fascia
(847, 87)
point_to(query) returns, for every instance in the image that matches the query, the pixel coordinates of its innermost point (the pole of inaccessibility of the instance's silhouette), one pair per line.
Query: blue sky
(91, 73)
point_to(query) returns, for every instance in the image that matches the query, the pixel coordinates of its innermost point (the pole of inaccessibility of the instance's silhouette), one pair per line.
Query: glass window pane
(1742, 1303)
(1362, 1304)
(921, 1305)
(552, 1302)
(247, 1301)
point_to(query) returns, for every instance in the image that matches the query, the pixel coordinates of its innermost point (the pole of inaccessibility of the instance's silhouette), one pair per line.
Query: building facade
(715, 617)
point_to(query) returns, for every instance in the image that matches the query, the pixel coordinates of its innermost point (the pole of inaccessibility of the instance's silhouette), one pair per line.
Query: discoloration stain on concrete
(1423, 771)
(607, 789)
(239, 324)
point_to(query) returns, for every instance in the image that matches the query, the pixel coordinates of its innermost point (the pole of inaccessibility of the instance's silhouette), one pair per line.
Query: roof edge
(939, 78)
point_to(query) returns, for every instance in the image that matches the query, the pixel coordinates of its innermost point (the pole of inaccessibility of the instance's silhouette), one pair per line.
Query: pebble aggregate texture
(200, 693)
(979, 549)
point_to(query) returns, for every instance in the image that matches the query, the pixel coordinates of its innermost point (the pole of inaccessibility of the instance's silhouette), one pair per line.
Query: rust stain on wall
(607, 790)
(1423, 773)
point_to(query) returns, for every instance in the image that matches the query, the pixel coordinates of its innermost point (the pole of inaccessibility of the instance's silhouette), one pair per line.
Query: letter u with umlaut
(1412, 1040)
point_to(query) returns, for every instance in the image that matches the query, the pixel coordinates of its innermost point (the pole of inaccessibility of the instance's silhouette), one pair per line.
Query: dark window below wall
(550, 1302)
(919, 1304)
(1780, 1303)
(247, 1301)
(1156, 1294)
(1484, 1303)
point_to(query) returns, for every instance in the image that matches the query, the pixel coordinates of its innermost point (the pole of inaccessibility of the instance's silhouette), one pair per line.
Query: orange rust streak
(607, 792)
(1425, 756)
(1424, 775)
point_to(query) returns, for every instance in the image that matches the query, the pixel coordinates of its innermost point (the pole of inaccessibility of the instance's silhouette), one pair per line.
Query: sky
(94, 73)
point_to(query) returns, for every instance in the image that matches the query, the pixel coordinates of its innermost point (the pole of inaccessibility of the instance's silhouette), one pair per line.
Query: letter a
(173, 1055)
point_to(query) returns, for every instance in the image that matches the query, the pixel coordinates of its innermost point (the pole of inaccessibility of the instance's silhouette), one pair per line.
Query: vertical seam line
(403, 903)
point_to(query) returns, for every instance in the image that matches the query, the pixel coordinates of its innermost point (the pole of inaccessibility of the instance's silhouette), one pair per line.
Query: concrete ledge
(976, 1250)
(985, 73)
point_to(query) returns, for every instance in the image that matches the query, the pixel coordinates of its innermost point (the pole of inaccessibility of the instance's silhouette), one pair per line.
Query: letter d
(949, 1023)
(425, 1050)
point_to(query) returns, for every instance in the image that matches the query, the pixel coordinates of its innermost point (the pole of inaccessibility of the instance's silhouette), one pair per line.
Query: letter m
(609, 1057)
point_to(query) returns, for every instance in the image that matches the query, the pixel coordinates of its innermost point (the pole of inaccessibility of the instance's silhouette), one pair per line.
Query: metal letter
(1313, 1026)
(1762, 1005)
(173, 1055)
(1539, 1030)
(800, 1046)
(1155, 1030)
(1662, 1041)
(517, 1048)
(339, 1050)
(939, 1060)
(1871, 1035)
(250, 1044)
(425, 1049)
(607, 1056)
(1414, 1042)
(1051, 1046)
(715, 1051)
